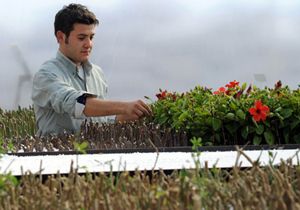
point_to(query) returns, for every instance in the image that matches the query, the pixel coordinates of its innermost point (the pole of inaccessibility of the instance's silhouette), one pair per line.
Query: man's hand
(124, 111)
(134, 110)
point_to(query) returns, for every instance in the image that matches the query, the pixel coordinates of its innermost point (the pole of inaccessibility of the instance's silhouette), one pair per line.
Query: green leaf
(208, 121)
(278, 109)
(251, 129)
(270, 153)
(279, 116)
(183, 116)
(218, 137)
(230, 116)
(241, 115)
(286, 113)
(12, 179)
(245, 132)
(216, 124)
(294, 124)
(270, 139)
(81, 147)
(196, 142)
(286, 137)
(232, 128)
(233, 106)
(244, 85)
(257, 140)
(259, 129)
(163, 119)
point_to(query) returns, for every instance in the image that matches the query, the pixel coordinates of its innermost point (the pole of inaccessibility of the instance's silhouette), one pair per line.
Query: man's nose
(88, 43)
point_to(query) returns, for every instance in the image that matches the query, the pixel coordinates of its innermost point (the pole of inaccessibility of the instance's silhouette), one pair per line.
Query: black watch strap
(82, 99)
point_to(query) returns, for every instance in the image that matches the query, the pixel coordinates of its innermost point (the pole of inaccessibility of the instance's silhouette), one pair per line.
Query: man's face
(78, 45)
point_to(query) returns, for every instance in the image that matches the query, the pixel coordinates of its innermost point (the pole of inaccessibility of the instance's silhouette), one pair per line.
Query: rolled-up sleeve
(51, 91)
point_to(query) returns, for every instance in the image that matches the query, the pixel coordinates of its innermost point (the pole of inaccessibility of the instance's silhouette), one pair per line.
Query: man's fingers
(148, 108)
(138, 113)
(138, 109)
(145, 108)
(144, 111)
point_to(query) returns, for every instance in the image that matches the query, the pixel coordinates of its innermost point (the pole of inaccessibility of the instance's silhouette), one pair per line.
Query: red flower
(259, 112)
(238, 94)
(232, 84)
(174, 97)
(162, 95)
(220, 90)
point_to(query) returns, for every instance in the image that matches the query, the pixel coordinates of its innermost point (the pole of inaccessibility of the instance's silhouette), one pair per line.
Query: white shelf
(142, 161)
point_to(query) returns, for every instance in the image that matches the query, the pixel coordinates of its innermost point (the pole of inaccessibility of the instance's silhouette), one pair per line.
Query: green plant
(81, 148)
(233, 115)
(17, 123)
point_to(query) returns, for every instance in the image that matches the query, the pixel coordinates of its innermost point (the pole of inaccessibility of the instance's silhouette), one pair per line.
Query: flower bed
(233, 114)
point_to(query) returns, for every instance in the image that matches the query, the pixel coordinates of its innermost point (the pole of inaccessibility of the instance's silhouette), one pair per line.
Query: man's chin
(84, 59)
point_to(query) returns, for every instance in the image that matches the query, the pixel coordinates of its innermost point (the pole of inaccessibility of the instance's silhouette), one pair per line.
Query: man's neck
(78, 64)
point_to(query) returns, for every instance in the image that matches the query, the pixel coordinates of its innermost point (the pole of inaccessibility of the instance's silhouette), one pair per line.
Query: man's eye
(81, 38)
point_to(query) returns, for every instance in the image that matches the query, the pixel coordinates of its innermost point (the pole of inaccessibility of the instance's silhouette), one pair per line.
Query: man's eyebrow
(85, 34)
(82, 35)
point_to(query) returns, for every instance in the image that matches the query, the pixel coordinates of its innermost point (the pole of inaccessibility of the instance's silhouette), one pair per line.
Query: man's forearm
(98, 107)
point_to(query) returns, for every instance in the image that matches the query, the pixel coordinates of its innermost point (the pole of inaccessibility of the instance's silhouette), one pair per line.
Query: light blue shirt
(56, 86)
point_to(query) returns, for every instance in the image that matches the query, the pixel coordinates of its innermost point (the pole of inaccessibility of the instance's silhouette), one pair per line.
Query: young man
(69, 88)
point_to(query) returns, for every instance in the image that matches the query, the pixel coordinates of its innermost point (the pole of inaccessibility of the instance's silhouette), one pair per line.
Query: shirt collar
(71, 66)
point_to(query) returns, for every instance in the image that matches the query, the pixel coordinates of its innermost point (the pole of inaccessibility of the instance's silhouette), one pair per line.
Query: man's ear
(60, 37)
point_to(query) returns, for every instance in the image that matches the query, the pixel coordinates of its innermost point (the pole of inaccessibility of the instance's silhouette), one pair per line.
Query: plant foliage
(233, 115)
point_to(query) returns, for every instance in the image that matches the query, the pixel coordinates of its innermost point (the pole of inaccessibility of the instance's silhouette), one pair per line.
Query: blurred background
(146, 45)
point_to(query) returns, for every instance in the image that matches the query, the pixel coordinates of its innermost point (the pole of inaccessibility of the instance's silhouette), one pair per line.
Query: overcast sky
(146, 45)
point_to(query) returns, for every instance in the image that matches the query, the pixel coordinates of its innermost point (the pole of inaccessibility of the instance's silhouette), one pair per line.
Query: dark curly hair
(71, 14)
